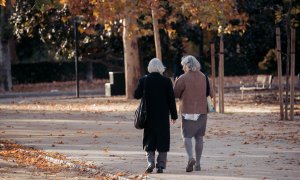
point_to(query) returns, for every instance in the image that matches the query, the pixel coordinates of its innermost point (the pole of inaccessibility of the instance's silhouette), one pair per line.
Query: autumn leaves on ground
(248, 127)
(37, 164)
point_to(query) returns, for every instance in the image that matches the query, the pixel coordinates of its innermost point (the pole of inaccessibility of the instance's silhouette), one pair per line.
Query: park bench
(263, 82)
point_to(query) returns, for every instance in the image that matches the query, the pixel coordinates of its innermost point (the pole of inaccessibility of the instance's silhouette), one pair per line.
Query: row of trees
(239, 23)
(29, 18)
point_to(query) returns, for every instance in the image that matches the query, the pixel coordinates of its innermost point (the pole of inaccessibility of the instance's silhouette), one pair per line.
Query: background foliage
(46, 34)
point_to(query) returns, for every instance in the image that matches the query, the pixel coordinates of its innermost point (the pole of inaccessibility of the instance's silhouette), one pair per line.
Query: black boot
(150, 168)
(159, 170)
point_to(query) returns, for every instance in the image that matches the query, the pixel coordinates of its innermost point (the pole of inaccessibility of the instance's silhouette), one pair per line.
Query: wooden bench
(263, 82)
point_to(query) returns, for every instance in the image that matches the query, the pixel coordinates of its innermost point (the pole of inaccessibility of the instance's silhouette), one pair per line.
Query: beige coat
(190, 88)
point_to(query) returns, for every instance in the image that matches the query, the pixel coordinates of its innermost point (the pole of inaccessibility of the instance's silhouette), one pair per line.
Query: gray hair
(191, 62)
(155, 65)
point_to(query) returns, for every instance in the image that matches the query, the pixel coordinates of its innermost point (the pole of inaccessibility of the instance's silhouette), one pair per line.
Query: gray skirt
(191, 129)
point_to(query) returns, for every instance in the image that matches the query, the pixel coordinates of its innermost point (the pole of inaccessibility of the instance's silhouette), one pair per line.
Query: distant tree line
(31, 35)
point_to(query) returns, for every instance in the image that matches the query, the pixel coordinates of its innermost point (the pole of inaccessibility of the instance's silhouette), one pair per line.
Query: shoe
(191, 163)
(159, 170)
(150, 168)
(197, 168)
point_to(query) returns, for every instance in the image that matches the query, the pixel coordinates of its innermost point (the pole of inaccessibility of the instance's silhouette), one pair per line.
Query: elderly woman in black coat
(160, 103)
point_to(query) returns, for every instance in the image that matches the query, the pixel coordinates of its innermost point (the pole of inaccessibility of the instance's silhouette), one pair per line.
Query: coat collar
(154, 74)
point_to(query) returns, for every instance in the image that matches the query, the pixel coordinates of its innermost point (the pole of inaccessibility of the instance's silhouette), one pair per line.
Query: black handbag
(141, 112)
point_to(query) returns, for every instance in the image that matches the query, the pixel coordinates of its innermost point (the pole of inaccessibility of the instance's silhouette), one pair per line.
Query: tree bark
(221, 76)
(279, 71)
(292, 93)
(213, 71)
(221, 66)
(201, 52)
(288, 57)
(4, 66)
(156, 35)
(287, 73)
(131, 57)
(5, 50)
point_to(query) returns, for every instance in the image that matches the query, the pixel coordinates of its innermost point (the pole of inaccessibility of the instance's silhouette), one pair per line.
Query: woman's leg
(198, 149)
(161, 160)
(188, 147)
(199, 139)
(151, 161)
(189, 150)
(188, 131)
(150, 157)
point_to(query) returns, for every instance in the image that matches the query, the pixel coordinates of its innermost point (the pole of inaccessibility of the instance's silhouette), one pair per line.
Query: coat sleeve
(138, 93)
(172, 102)
(179, 87)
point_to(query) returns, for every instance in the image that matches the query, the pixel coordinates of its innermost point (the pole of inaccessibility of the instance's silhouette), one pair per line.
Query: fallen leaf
(105, 149)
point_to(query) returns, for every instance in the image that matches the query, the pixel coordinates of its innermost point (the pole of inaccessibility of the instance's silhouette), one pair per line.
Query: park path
(248, 142)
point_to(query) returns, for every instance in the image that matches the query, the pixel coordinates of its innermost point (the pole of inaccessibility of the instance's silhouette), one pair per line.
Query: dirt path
(246, 142)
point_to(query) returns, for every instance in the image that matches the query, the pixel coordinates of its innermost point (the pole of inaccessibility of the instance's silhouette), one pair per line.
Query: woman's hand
(173, 121)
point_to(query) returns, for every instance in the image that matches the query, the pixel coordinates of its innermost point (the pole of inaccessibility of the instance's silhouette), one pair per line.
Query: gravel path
(247, 142)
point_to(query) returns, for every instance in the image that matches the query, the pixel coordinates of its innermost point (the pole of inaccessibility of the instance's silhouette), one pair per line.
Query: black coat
(160, 102)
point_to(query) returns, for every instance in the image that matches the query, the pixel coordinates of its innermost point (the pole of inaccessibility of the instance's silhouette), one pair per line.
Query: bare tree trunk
(156, 35)
(288, 57)
(213, 71)
(221, 66)
(292, 94)
(131, 57)
(5, 55)
(279, 71)
(221, 76)
(201, 52)
(4, 66)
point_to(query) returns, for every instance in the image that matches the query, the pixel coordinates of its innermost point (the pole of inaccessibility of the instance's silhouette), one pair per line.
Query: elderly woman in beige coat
(192, 88)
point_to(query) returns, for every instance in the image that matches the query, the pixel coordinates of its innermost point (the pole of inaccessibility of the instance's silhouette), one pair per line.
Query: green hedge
(54, 71)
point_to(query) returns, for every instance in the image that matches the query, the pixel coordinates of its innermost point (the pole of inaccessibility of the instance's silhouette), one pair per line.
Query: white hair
(191, 63)
(155, 65)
